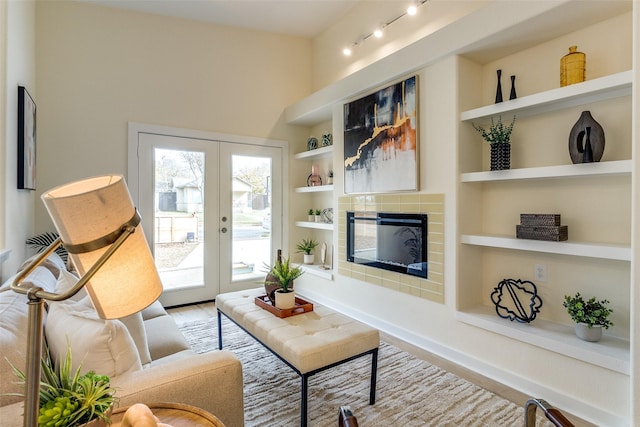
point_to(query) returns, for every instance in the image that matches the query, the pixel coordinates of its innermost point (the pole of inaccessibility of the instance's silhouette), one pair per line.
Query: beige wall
(99, 68)
(17, 218)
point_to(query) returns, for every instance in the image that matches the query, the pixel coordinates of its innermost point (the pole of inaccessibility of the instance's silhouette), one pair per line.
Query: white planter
(285, 300)
(308, 259)
(318, 218)
(311, 218)
(584, 332)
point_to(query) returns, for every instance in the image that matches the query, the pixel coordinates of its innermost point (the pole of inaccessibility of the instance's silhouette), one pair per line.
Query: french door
(211, 210)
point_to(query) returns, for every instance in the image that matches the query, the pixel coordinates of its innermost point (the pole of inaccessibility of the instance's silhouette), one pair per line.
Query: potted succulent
(282, 274)
(70, 399)
(318, 215)
(590, 316)
(330, 177)
(307, 246)
(311, 216)
(499, 137)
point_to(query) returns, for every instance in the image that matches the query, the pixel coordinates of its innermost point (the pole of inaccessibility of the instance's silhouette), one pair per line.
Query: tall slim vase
(499, 88)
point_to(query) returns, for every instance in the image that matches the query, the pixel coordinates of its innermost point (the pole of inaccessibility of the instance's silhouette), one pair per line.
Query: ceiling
(306, 18)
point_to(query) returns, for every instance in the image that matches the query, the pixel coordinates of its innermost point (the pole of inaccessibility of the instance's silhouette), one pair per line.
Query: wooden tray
(301, 307)
(175, 414)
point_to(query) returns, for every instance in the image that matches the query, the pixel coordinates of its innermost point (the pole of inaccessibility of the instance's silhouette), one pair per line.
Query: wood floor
(207, 310)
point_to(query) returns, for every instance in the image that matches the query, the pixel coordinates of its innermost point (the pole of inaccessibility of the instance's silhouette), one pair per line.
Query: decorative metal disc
(516, 300)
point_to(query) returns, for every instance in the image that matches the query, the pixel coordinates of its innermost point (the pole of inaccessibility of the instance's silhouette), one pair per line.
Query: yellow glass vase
(572, 67)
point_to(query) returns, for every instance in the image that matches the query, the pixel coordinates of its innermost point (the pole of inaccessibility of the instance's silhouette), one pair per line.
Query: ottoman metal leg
(219, 330)
(304, 402)
(374, 376)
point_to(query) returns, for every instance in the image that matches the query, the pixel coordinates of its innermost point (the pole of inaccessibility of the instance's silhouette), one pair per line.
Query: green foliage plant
(591, 312)
(306, 246)
(497, 133)
(310, 211)
(318, 212)
(68, 398)
(282, 273)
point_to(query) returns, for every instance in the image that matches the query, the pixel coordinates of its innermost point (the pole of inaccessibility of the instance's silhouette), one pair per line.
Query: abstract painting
(381, 140)
(26, 140)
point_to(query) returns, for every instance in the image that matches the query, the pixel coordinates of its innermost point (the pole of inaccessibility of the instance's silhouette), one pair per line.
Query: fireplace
(389, 241)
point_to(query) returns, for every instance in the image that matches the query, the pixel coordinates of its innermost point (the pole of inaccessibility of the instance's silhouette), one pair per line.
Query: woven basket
(540, 219)
(548, 233)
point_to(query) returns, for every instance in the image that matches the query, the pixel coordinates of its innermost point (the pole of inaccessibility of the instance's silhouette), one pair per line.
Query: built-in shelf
(318, 270)
(619, 167)
(314, 189)
(315, 154)
(608, 87)
(581, 249)
(610, 352)
(317, 225)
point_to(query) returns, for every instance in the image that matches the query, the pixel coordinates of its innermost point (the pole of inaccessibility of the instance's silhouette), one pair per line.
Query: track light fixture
(377, 33)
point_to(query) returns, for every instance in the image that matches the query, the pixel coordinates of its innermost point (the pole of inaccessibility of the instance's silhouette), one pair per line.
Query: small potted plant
(70, 399)
(499, 137)
(307, 246)
(282, 274)
(330, 177)
(590, 316)
(311, 216)
(318, 215)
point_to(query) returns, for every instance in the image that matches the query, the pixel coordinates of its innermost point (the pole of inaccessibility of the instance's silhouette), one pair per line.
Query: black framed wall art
(26, 140)
(381, 140)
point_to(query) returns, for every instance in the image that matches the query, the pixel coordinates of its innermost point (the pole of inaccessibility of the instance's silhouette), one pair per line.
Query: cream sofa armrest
(210, 381)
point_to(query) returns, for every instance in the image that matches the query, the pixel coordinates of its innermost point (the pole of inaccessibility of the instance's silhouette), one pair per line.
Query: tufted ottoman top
(307, 341)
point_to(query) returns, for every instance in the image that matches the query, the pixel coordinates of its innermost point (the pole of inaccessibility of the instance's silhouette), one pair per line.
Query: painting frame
(26, 140)
(381, 140)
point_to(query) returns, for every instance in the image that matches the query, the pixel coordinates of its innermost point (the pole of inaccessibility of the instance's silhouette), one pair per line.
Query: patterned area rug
(410, 392)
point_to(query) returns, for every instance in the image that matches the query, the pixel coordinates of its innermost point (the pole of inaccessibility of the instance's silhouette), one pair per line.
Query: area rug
(410, 391)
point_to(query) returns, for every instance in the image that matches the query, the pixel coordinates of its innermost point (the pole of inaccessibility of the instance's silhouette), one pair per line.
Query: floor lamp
(100, 228)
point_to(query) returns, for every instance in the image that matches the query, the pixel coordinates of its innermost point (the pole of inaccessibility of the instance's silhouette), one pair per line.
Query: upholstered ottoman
(309, 343)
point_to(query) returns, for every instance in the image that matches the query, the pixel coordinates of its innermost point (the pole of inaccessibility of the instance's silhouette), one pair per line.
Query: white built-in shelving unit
(612, 352)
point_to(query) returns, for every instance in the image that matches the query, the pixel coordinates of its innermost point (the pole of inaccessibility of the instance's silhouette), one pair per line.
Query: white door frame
(134, 173)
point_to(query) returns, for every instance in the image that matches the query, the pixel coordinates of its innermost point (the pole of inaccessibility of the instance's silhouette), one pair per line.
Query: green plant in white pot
(590, 316)
(282, 274)
(307, 246)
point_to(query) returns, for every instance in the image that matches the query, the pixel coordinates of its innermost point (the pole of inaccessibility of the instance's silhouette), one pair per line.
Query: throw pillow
(13, 343)
(135, 326)
(103, 346)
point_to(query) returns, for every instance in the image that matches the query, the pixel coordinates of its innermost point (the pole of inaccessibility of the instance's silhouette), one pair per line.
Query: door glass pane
(251, 216)
(179, 217)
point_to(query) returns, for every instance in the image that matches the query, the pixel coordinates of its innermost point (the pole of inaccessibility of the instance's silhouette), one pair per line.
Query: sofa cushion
(135, 326)
(103, 346)
(41, 277)
(13, 342)
(66, 281)
(164, 337)
(53, 263)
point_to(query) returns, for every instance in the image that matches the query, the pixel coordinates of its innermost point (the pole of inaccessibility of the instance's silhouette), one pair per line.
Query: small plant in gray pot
(591, 316)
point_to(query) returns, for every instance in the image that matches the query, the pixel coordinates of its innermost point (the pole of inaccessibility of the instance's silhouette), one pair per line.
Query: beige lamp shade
(88, 210)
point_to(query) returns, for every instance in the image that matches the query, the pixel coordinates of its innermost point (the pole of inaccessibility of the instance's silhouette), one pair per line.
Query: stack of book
(541, 227)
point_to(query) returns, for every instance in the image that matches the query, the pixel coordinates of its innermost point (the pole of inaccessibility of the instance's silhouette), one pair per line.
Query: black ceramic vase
(500, 157)
(499, 88)
(586, 140)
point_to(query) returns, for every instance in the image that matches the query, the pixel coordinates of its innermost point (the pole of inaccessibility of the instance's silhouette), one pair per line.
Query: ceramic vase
(285, 300)
(512, 93)
(586, 333)
(499, 88)
(500, 157)
(309, 258)
(586, 140)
